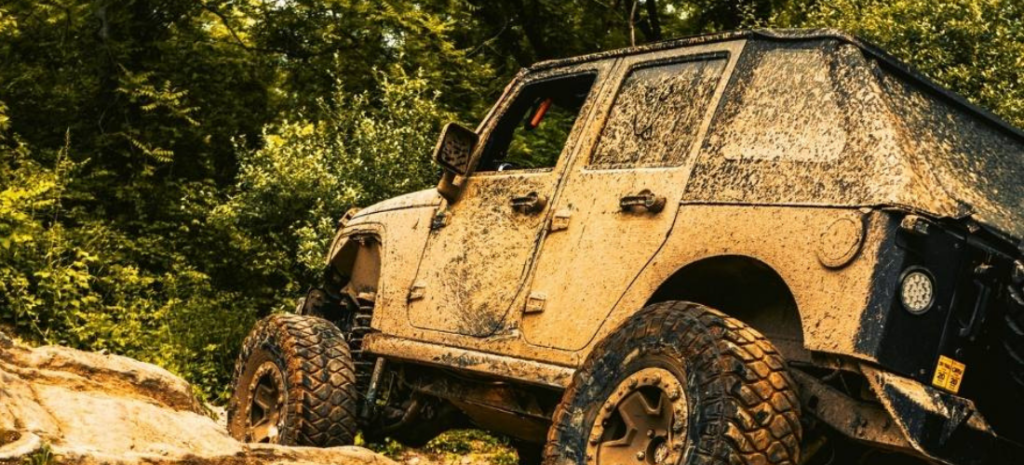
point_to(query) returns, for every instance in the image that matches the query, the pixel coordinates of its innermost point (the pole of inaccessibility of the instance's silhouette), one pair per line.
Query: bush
(291, 192)
(75, 282)
(68, 277)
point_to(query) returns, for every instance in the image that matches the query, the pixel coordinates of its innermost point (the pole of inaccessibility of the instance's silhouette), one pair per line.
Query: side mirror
(454, 148)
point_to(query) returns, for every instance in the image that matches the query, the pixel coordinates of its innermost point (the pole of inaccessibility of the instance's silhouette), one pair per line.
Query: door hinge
(560, 221)
(535, 302)
(417, 291)
(440, 219)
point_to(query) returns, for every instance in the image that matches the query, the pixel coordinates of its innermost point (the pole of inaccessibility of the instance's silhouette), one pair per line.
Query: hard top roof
(925, 148)
(869, 49)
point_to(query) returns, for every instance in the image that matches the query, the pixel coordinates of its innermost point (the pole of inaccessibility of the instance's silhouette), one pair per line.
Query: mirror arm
(447, 187)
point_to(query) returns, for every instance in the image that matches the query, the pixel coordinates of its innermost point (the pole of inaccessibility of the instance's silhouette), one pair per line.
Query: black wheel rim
(266, 404)
(643, 422)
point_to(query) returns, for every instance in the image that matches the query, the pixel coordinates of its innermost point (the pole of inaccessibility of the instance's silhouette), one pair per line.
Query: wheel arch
(355, 262)
(745, 288)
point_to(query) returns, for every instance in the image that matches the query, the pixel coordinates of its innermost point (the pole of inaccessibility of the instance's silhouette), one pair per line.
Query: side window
(790, 112)
(534, 129)
(800, 123)
(657, 114)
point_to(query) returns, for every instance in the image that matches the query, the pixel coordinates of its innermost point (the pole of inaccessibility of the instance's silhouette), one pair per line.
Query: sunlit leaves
(369, 148)
(217, 142)
(974, 47)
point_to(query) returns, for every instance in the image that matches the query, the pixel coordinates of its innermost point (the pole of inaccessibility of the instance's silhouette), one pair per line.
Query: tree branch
(227, 25)
(652, 19)
(632, 23)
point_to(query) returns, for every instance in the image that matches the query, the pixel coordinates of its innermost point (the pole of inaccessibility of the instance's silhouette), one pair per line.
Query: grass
(43, 456)
(453, 447)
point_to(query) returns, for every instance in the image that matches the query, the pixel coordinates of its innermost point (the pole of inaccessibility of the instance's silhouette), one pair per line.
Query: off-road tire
(743, 409)
(318, 377)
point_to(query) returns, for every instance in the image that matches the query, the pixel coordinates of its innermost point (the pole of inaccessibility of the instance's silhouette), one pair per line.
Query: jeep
(760, 247)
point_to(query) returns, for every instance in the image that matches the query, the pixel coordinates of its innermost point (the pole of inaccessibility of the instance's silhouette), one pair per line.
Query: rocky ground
(63, 406)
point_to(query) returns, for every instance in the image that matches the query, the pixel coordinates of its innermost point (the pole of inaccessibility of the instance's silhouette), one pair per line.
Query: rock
(15, 446)
(91, 409)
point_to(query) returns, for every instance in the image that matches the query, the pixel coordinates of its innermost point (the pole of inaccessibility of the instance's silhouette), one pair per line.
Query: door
(474, 264)
(619, 203)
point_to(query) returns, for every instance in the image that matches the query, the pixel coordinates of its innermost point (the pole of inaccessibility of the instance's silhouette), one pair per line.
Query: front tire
(679, 383)
(294, 385)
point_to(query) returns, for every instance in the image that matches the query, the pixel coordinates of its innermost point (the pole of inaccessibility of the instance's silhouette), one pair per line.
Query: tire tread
(750, 412)
(320, 378)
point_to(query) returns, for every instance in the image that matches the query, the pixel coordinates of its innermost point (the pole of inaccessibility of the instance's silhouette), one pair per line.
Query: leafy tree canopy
(172, 169)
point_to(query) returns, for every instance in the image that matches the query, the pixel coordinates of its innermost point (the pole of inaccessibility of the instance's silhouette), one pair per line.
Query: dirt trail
(63, 406)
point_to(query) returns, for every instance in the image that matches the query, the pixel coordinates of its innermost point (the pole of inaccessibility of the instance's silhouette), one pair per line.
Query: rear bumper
(941, 426)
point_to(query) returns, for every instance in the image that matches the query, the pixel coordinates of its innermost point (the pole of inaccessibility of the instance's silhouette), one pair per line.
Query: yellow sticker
(949, 374)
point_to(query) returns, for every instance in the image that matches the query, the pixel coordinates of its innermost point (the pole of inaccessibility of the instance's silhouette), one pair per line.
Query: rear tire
(679, 383)
(294, 385)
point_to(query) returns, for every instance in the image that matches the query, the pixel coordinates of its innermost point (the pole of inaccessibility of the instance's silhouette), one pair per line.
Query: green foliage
(493, 449)
(389, 448)
(479, 446)
(172, 170)
(459, 442)
(540, 147)
(66, 280)
(291, 192)
(975, 47)
(43, 456)
(179, 165)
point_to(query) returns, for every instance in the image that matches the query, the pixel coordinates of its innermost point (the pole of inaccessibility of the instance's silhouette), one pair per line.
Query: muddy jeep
(765, 247)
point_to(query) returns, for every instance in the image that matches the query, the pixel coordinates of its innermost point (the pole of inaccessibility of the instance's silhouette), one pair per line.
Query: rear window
(799, 124)
(790, 112)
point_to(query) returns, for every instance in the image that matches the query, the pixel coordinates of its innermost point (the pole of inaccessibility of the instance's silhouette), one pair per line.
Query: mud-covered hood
(423, 198)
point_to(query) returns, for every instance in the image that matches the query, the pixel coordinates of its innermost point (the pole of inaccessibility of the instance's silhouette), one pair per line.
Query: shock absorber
(361, 318)
(370, 406)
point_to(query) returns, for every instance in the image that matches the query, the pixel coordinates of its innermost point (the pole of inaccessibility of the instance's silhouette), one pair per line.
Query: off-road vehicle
(764, 247)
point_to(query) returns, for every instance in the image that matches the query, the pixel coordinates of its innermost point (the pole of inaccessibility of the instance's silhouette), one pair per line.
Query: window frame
(600, 70)
(709, 113)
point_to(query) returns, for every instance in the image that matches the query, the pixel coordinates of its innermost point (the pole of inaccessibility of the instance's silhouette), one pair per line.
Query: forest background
(172, 170)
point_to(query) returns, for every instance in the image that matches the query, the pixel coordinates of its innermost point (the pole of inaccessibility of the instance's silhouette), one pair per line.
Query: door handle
(529, 203)
(645, 201)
